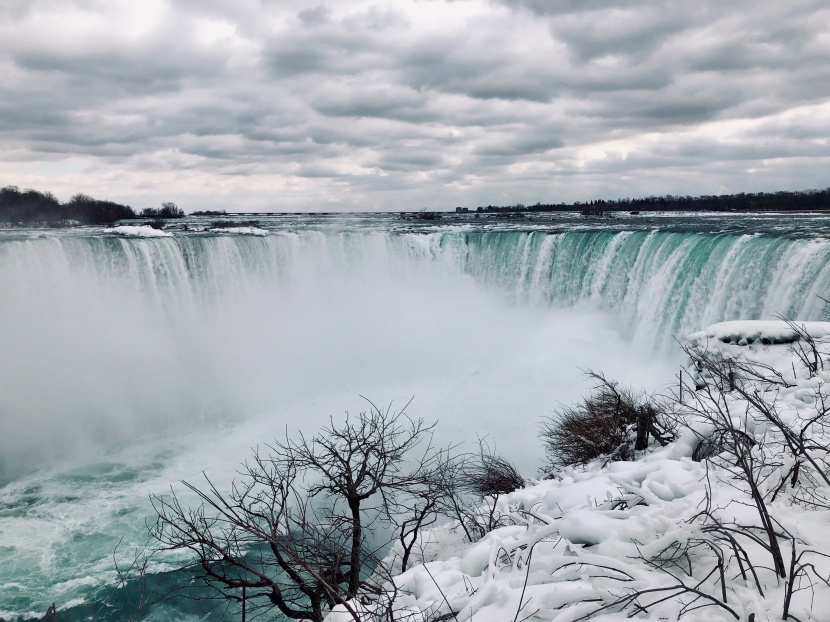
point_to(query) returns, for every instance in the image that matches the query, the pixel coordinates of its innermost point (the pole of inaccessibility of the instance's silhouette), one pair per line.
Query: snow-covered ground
(649, 538)
(138, 231)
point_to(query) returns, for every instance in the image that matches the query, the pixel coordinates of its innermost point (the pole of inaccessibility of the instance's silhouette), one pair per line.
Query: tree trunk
(357, 536)
(643, 425)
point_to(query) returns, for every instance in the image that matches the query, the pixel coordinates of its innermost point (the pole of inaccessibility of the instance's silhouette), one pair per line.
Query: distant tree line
(798, 200)
(31, 206)
(167, 210)
(23, 207)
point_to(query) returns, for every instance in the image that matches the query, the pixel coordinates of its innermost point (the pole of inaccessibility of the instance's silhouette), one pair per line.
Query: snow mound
(765, 332)
(573, 537)
(661, 537)
(241, 231)
(139, 231)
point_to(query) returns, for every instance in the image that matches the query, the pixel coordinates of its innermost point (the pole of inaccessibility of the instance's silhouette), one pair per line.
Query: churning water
(127, 363)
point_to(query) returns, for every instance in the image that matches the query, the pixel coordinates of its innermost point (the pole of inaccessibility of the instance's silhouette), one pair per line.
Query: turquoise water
(129, 364)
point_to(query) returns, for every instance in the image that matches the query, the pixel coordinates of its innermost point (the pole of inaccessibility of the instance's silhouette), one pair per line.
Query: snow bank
(241, 231)
(759, 332)
(577, 546)
(574, 536)
(138, 231)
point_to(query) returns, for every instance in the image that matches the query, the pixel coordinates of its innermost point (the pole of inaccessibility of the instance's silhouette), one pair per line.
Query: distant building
(462, 210)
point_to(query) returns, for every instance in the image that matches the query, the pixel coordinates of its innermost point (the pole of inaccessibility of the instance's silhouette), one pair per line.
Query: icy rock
(139, 231)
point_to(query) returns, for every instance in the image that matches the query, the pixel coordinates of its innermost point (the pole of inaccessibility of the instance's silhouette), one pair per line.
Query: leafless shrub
(612, 422)
(750, 445)
(800, 437)
(131, 578)
(133, 573)
(486, 477)
(640, 601)
(490, 475)
(739, 456)
(454, 502)
(718, 442)
(423, 513)
(809, 350)
(803, 575)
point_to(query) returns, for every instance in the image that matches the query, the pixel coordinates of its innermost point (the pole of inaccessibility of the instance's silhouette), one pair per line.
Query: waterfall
(103, 329)
(142, 361)
(662, 285)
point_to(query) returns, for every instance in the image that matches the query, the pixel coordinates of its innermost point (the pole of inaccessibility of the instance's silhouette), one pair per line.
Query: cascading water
(661, 285)
(129, 363)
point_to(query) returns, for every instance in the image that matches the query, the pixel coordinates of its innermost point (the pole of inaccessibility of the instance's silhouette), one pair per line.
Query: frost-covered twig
(798, 570)
(737, 453)
(674, 591)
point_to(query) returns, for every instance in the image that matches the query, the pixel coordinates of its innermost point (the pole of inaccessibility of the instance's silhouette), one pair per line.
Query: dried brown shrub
(612, 422)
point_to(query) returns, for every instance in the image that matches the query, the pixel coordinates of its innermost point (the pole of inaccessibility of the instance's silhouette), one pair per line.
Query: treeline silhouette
(797, 200)
(31, 206)
(24, 207)
(167, 210)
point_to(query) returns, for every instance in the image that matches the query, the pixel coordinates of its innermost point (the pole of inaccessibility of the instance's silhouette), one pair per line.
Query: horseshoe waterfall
(130, 361)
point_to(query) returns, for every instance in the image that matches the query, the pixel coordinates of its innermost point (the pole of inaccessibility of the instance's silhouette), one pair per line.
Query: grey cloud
(300, 59)
(478, 70)
(646, 39)
(375, 107)
(506, 87)
(411, 160)
(632, 32)
(315, 16)
(529, 144)
(316, 171)
(98, 73)
(15, 9)
(322, 45)
(559, 7)
(382, 101)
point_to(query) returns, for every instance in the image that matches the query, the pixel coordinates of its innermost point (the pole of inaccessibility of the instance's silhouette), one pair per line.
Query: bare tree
(422, 513)
(439, 495)
(294, 532)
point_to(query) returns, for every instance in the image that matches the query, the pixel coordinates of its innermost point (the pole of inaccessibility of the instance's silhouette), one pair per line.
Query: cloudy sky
(404, 104)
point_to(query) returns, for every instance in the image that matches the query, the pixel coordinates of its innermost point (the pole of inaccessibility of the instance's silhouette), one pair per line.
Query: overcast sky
(403, 104)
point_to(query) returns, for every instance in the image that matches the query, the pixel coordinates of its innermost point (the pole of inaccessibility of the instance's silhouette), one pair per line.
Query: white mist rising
(106, 340)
